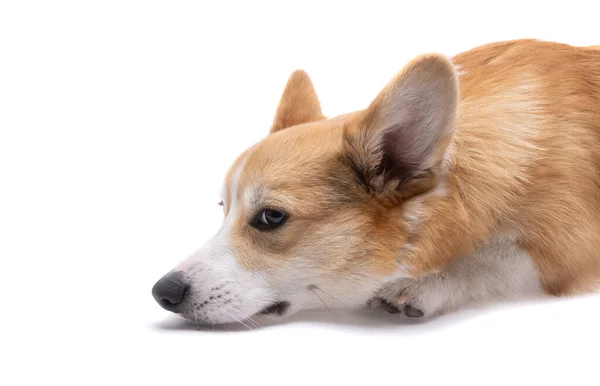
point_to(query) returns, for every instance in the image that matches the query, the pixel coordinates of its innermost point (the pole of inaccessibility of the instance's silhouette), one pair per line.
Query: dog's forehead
(285, 157)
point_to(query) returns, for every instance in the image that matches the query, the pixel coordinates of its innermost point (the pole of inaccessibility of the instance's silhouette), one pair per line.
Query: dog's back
(528, 143)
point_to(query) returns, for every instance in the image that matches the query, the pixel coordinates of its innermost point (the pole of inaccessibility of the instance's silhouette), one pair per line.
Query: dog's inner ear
(299, 103)
(400, 143)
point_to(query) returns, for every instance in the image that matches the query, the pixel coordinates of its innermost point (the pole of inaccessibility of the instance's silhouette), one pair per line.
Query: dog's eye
(268, 219)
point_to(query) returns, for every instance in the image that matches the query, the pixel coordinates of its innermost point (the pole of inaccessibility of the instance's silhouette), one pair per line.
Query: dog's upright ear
(299, 103)
(400, 143)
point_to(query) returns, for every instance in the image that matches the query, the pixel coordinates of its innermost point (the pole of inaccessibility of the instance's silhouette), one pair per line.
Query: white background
(118, 121)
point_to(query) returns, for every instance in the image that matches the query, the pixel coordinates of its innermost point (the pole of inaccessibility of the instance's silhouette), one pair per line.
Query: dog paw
(412, 312)
(398, 308)
(416, 298)
(389, 307)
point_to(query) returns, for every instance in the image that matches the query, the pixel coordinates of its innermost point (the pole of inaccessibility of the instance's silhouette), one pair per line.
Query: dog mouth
(277, 308)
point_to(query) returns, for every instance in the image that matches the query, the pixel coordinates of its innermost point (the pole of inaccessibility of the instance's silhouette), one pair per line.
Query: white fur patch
(233, 187)
(221, 290)
(498, 269)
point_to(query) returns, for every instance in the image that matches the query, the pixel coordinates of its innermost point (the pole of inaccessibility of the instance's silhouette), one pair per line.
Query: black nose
(170, 291)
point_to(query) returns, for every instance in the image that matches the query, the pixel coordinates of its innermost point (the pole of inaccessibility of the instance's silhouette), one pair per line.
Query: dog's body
(435, 195)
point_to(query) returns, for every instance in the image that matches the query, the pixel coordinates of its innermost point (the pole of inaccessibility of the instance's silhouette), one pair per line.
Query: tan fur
(524, 157)
(299, 103)
(527, 152)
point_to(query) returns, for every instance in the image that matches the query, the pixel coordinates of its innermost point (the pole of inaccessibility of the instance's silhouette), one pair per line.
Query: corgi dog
(466, 179)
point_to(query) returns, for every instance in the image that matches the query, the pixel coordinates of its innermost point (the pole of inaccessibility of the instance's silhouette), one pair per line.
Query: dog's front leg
(499, 269)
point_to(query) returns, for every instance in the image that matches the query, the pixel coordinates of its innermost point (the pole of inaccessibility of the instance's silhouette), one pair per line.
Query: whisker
(249, 319)
(321, 299)
(237, 320)
(254, 320)
(330, 295)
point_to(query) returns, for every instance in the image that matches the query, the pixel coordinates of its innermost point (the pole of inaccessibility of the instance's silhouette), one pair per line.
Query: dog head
(320, 211)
